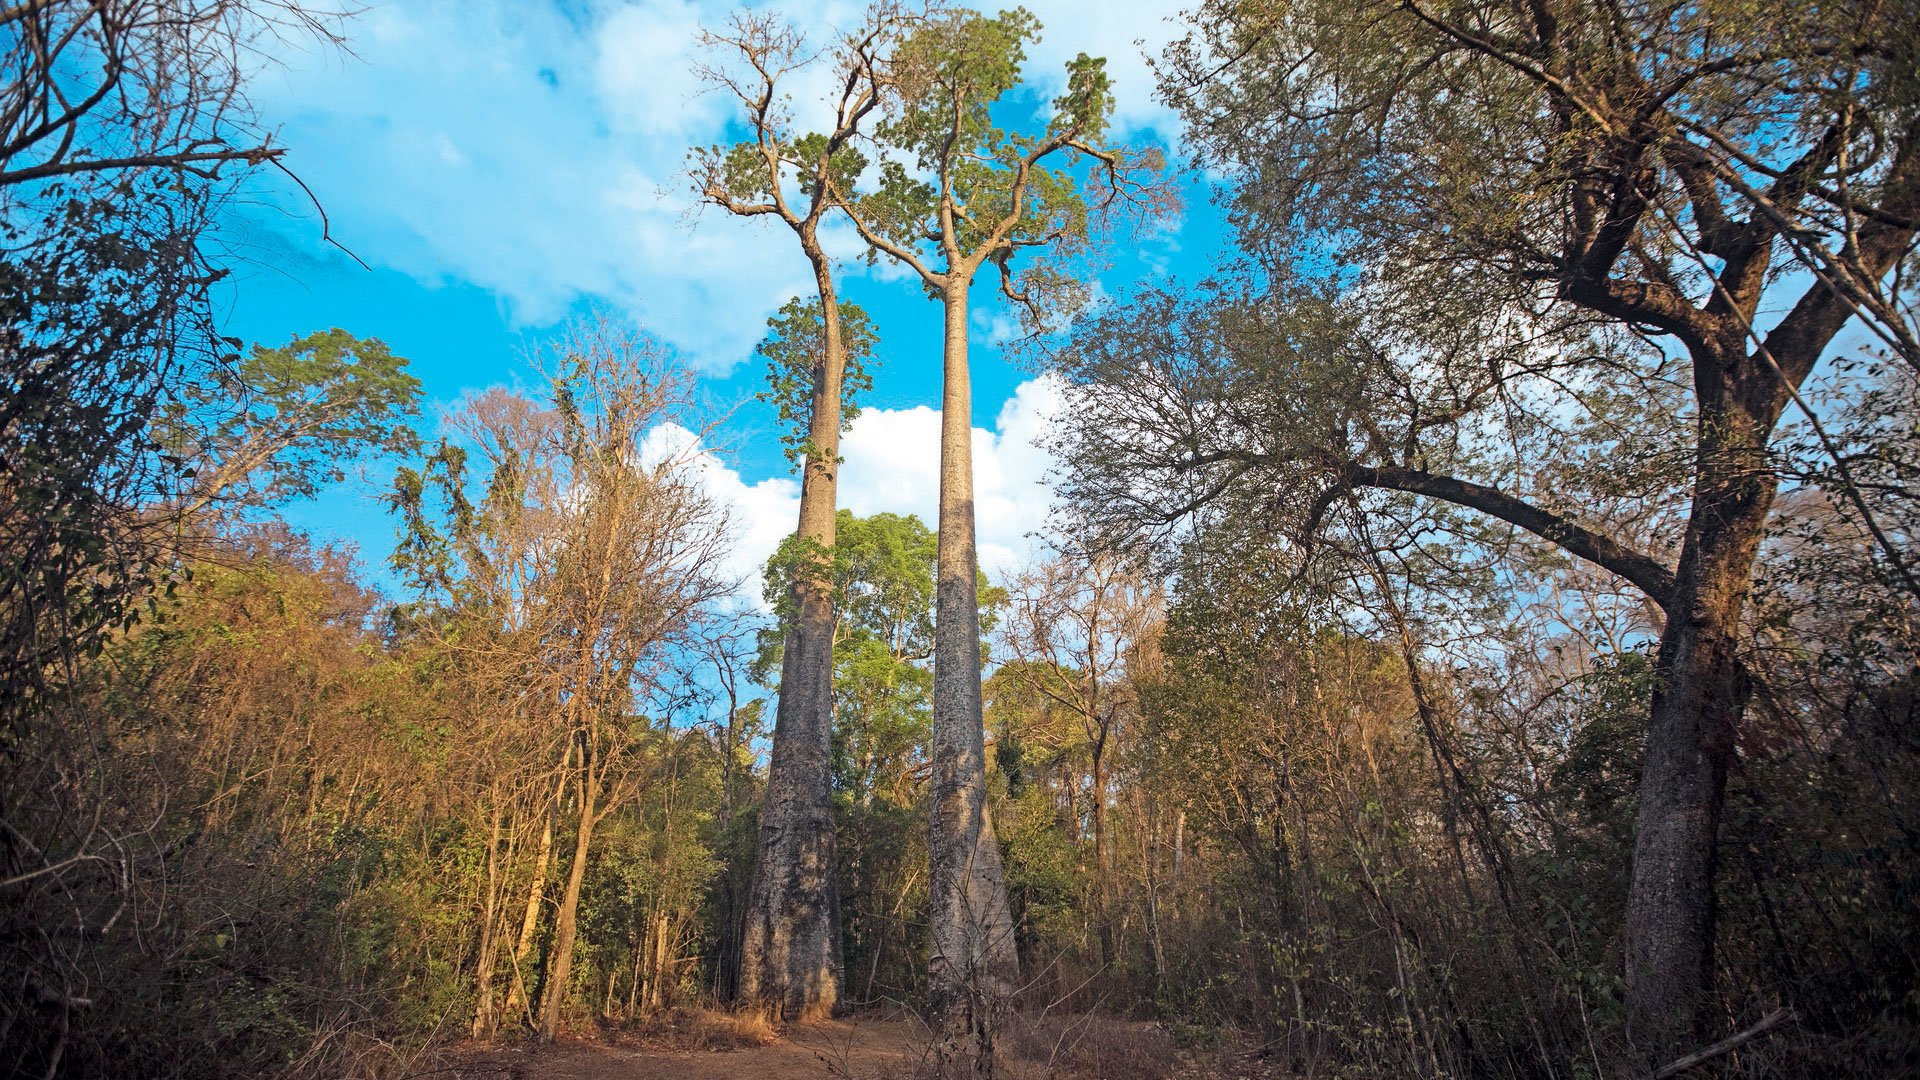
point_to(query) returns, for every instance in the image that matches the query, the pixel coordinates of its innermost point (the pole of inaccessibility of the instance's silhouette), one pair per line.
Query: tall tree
(883, 592)
(790, 954)
(1516, 192)
(990, 194)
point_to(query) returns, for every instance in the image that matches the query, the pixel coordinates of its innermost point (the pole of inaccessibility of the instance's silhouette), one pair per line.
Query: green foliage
(881, 578)
(950, 73)
(983, 192)
(795, 352)
(284, 421)
(881, 582)
(104, 312)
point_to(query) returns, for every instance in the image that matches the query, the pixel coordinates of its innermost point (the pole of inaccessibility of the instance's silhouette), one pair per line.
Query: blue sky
(503, 166)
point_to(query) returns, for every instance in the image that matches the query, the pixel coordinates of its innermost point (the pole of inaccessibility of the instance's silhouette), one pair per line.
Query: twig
(326, 226)
(1679, 1065)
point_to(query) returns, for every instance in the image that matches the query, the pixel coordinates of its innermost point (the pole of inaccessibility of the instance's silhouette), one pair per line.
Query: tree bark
(1698, 699)
(517, 994)
(483, 1009)
(727, 973)
(790, 953)
(1102, 878)
(971, 965)
(566, 922)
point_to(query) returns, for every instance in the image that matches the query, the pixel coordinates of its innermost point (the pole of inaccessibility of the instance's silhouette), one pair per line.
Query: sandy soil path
(866, 1049)
(702, 1046)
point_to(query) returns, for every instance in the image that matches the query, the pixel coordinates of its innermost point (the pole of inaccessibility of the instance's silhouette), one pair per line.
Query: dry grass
(1088, 1046)
(701, 1030)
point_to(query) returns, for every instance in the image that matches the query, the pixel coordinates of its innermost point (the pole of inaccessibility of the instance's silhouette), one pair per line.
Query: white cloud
(1126, 32)
(644, 75)
(893, 463)
(994, 327)
(540, 155)
(892, 459)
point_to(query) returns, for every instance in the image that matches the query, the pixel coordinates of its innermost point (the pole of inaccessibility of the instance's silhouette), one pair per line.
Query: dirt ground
(709, 1046)
(860, 1049)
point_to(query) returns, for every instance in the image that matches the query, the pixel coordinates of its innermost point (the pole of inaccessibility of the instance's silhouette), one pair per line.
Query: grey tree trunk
(1702, 689)
(971, 966)
(1697, 703)
(790, 955)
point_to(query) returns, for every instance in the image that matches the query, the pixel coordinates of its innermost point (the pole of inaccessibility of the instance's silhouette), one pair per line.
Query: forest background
(337, 746)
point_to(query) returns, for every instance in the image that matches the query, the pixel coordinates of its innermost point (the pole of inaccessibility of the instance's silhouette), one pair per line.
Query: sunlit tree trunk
(790, 952)
(483, 1010)
(972, 965)
(662, 961)
(566, 920)
(517, 996)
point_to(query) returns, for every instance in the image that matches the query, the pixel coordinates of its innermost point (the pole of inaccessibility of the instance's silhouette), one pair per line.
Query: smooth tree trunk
(790, 950)
(971, 965)
(566, 920)
(530, 915)
(1102, 875)
(483, 1008)
(518, 997)
(727, 973)
(662, 962)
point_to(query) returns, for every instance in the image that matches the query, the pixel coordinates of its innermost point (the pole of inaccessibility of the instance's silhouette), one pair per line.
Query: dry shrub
(702, 1030)
(1088, 1046)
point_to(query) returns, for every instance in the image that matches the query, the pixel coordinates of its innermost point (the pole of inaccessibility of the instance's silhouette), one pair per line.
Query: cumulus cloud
(538, 151)
(1126, 33)
(892, 462)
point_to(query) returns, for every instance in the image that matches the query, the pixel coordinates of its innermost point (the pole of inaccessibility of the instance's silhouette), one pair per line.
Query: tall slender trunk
(639, 951)
(662, 961)
(1102, 877)
(1150, 863)
(517, 995)
(727, 971)
(1699, 696)
(483, 1009)
(790, 951)
(971, 965)
(566, 922)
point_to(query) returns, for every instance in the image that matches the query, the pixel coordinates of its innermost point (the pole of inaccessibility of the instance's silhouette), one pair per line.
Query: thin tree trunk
(1179, 843)
(565, 923)
(662, 962)
(727, 973)
(790, 951)
(1150, 864)
(639, 951)
(1102, 884)
(536, 890)
(971, 965)
(483, 1012)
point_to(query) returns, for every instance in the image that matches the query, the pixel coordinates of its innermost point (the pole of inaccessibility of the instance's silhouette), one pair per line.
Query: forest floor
(713, 1046)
